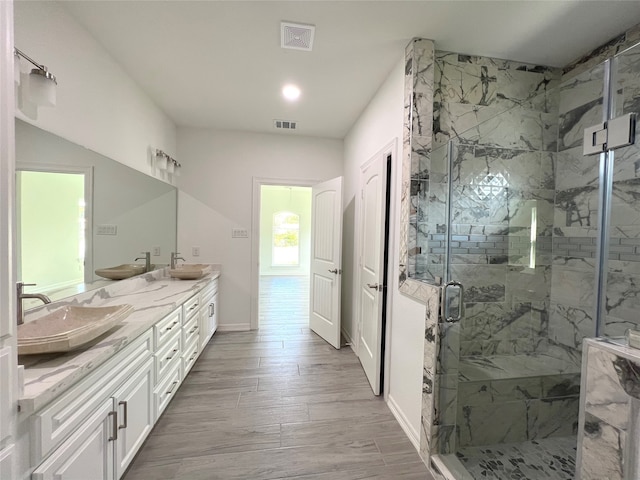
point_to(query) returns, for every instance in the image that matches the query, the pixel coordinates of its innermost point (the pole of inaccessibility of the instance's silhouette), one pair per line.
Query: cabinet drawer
(165, 391)
(53, 424)
(207, 294)
(167, 355)
(190, 355)
(190, 331)
(165, 328)
(191, 307)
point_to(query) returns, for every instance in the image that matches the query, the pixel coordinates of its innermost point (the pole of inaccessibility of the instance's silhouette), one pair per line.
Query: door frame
(258, 182)
(88, 208)
(389, 150)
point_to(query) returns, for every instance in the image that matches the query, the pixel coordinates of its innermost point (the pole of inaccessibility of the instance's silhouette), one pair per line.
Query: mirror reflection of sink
(121, 271)
(190, 271)
(68, 328)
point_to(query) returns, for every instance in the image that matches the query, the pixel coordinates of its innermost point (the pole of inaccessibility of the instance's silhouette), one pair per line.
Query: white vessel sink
(68, 328)
(121, 271)
(190, 271)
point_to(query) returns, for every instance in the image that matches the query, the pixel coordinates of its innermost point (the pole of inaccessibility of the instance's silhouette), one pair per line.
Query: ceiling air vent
(284, 124)
(297, 36)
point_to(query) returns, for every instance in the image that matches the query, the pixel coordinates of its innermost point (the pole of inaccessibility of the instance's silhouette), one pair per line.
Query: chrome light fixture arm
(41, 69)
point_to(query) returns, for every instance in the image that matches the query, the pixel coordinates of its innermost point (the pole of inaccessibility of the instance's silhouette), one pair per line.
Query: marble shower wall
(609, 413)
(430, 388)
(416, 157)
(502, 118)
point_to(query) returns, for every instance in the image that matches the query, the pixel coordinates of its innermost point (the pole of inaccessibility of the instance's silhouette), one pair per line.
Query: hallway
(277, 403)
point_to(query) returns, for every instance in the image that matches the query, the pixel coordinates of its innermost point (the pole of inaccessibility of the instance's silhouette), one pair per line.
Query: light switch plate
(239, 233)
(156, 251)
(195, 251)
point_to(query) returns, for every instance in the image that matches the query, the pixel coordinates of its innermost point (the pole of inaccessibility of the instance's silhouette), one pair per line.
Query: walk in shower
(545, 241)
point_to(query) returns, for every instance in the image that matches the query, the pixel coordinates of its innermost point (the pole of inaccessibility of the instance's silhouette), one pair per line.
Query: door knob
(374, 286)
(335, 270)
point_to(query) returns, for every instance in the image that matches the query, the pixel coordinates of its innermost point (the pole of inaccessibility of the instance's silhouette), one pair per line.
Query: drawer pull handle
(114, 426)
(173, 353)
(195, 305)
(212, 309)
(173, 385)
(193, 356)
(193, 329)
(171, 326)
(126, 414)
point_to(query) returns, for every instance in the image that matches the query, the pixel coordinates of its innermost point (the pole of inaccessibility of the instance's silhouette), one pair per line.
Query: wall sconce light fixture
(42, 83)
(165, 162)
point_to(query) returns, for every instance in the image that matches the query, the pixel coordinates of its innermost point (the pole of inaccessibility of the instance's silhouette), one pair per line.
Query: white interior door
(326, 260)
(371, 268)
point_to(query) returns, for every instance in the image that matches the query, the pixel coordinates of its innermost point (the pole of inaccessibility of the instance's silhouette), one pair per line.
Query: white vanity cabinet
(208, 313)
(106, 418)
(95, 428)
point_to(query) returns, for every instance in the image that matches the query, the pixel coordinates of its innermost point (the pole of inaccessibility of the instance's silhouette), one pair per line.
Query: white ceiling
(219, 63)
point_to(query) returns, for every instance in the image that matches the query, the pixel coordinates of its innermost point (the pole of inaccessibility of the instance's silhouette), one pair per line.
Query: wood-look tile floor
(277, 403)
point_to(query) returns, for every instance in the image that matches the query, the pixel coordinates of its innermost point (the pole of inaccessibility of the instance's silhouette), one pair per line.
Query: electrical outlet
(195, 251)
(239, 233)
(156, 251)
(106, 229)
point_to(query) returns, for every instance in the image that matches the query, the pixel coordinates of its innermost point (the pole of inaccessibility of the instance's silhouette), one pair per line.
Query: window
(286, 239)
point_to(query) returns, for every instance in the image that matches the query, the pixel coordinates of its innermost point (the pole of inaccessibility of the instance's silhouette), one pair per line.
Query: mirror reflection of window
(286, 239)
(51, 218)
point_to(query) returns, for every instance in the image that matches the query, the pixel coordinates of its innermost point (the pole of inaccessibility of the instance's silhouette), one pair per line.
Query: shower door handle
(445, 299)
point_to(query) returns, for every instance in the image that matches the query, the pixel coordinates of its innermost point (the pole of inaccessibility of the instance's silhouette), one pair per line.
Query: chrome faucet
(147, 261)
(174, 259)
(21, 295)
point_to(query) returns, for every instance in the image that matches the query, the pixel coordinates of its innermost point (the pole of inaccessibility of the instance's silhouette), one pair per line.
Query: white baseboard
(413, 435)
(235, 327)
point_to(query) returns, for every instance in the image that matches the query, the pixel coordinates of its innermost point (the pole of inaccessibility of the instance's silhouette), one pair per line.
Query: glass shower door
(522, 229)
(622, 271)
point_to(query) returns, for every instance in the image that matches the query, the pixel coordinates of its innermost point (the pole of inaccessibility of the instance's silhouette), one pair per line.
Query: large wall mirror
(78, 211)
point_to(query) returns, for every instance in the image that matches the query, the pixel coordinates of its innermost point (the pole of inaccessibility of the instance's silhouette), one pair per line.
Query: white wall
(99, 106)
(216, 189)
(275, 199)
(380, 124)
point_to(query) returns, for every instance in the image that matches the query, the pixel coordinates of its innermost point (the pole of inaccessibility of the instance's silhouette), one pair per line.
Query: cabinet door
(213, 318)
(203, 321)
(134, 404)
(87, 454)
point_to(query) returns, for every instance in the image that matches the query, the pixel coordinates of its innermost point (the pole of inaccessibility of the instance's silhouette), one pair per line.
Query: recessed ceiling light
(291, 92)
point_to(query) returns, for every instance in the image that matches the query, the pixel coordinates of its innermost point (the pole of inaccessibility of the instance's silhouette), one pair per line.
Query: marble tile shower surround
(501, 117)
(562, 182)
(576, 207)
(153, 296)
(416, 154)
(608, 411)
(429, 377)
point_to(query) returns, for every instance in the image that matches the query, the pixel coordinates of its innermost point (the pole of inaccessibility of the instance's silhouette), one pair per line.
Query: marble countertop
(153, 296)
